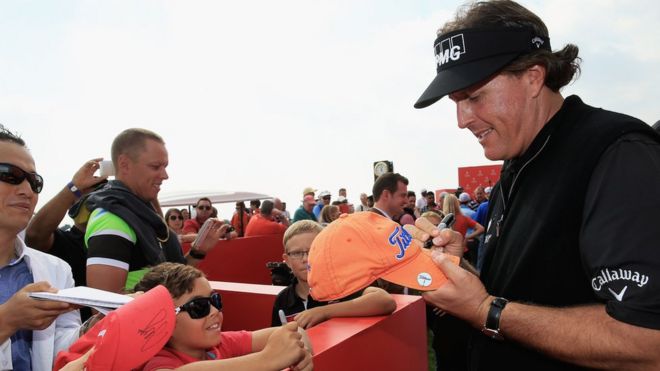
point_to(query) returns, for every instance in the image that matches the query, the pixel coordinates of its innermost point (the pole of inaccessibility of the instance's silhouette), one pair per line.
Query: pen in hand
(446, 222)
(282, 317)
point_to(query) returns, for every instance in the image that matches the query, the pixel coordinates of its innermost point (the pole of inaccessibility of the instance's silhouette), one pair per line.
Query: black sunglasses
(175, 217)
(204, 207)
(200, 307)
(13, 174)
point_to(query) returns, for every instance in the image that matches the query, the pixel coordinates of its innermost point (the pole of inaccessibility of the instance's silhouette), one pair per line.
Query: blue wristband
(72, 187)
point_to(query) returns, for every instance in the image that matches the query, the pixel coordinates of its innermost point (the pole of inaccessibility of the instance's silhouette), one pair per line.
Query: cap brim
(461, 77)
(421, 272)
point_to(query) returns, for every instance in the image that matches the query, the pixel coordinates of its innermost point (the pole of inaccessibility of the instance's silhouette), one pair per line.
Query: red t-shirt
(463, 223)
(259, 226)
(191, 226)
(236, 222)
(232, 344)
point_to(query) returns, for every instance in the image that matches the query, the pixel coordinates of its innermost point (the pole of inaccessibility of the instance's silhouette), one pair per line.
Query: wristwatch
(72, 187)
(492, 325)
(197, 254)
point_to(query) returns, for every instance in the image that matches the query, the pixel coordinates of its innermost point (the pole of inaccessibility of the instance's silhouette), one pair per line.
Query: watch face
(493, 334)
(380, 168)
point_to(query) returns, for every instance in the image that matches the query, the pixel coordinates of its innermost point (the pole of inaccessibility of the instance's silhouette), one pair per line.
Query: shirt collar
(383, 212)
(19, 249)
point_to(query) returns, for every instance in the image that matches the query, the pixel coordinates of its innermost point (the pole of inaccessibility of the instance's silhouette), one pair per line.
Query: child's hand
(311, 317)
(304, 365)
(285, 347)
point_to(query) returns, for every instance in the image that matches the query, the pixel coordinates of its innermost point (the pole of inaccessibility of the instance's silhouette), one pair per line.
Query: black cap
(466, 57)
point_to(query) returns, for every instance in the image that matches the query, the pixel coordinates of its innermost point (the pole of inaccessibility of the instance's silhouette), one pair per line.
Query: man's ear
(123, 163)
(535, 77)
(285, 257)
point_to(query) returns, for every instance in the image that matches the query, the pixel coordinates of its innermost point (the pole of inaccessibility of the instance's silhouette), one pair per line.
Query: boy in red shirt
(199, 343)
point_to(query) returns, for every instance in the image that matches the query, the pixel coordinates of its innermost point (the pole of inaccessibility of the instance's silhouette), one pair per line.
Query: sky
(275, 96)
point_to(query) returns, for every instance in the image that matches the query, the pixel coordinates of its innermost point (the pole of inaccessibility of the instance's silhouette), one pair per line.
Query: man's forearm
(39, 234)
(584, 335)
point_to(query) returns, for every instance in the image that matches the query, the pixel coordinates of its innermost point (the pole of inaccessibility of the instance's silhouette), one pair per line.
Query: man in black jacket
(571, 274)
(126, 233)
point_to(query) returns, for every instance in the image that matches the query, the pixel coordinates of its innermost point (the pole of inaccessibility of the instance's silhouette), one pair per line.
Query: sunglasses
(15, 175)
(204, 207)
(200, 307)
(175, 217)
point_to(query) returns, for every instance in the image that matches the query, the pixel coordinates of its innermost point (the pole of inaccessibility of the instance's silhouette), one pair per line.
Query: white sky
(273, 96)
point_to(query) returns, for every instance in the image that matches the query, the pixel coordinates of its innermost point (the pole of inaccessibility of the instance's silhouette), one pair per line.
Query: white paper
(101, 300)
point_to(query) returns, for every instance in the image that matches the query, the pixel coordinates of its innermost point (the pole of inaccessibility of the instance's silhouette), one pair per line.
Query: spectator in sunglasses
(31, 331)
(203, 210)
(175, 220)
(199, 342)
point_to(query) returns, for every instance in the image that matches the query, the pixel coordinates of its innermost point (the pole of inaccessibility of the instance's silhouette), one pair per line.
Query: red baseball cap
(356, 249)
(127, 337)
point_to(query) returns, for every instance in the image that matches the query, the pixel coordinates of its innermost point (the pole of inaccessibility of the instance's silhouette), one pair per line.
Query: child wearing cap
(295, 300)
(198, 342)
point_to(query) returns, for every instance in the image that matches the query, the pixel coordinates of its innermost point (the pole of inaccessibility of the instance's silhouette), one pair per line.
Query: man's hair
(387, 181)
(256, 203)
(131, 142)
(204, 199)
(411, 194)
(179, 279)
(326, 211)
(561, 66)
(8, 136)
(267, 207)
(301, 227)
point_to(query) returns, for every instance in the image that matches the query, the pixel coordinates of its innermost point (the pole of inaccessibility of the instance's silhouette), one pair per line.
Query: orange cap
(356, 249)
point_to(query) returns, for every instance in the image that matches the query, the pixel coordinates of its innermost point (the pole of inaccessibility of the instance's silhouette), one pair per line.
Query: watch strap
(72, 187)
(197, 254)
(494, 313)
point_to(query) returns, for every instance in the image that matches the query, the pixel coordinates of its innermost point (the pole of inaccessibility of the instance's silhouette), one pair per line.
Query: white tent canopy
(190, 197)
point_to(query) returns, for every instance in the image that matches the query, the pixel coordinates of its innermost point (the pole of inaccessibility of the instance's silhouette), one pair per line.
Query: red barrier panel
(246, 306)
(243, 259)
(394, 342)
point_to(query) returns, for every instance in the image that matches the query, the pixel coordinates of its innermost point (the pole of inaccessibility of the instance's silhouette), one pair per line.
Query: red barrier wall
(243, 259)
(394, 342)
(246, 306)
